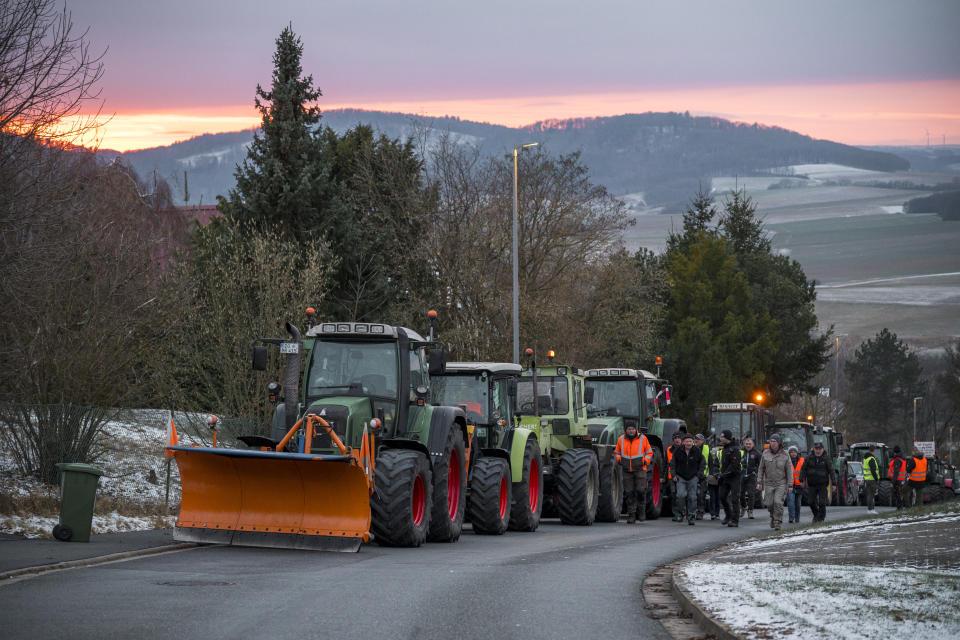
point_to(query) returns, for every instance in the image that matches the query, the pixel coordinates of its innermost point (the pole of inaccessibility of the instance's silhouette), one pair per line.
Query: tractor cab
(485, 391)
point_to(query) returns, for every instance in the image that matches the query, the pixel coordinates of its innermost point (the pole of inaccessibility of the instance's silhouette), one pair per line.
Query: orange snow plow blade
(265, 498)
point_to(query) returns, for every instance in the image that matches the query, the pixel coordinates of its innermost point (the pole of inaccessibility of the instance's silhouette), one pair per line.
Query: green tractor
(362, 377)
(622, 397)
(843, 489)
(505, 482)
(553, 400)
(859, 450)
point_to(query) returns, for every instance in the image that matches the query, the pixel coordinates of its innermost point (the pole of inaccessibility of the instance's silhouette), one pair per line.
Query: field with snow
(131, 494)
(876, 266)
(890, 575)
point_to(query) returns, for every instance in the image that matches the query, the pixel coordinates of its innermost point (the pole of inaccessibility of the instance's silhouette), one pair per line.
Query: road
(559, 582)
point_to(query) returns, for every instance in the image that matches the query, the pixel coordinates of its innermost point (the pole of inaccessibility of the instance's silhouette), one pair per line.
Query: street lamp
(516, 259)
(915, 417)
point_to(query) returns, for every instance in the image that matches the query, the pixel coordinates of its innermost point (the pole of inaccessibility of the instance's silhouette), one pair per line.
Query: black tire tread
(442, 528)
(392, 520)
(572, 474)
(483, 503)
(521, 518)
(609, 509)
(885, 497)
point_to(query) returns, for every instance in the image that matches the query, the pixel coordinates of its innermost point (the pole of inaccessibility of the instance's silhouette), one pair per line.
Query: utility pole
(516, 259)
(915, 417)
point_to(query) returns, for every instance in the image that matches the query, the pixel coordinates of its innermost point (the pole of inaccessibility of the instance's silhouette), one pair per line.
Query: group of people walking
(731, 477)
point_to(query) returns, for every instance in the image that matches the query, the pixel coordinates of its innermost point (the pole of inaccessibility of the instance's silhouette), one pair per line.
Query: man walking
(687, 467)
(702, 479)
(730, 472)
(634, 453)
(871, 476)
(775, 479)
(816, 475)
(897, 472)
(713, 482)
(748, 483)
(674, 448)
(795, 497)
(917, 476)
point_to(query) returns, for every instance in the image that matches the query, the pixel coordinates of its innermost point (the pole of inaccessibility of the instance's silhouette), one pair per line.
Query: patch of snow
(829, 171)
(920, 296)
(768, 599)
(893, 209)
(42, 526)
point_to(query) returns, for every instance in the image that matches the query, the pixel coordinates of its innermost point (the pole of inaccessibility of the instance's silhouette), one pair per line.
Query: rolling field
(874, 267)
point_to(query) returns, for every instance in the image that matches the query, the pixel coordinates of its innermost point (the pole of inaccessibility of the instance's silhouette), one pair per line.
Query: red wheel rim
(503, 496)
(418, 501)
(534, 485)
(453, 485)
(655, 488)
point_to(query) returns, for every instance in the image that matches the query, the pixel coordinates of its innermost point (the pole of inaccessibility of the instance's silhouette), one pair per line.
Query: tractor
(744, 420)
(356, 446)
(505, 482)
(859, 450)
(622, 397)
(843, 488)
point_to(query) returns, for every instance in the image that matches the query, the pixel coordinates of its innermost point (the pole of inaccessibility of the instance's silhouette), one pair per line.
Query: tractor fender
(518, 445)
(606, 431)
(497, 453)
(406, 443)
(441, 421)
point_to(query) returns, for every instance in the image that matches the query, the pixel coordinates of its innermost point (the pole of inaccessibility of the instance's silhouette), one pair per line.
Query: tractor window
(793, 437)
(418, 371)
(652, 408)
(615, 397)
(736, 421)
(467, 391)
(501, 402)
(552, 392)
(342, 368)
(578, 398)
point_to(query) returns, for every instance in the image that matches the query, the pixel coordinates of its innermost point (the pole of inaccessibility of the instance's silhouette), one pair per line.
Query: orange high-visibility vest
(669, 460)
(638, 449)
(919, 473)
(796, 471)
(902, 474)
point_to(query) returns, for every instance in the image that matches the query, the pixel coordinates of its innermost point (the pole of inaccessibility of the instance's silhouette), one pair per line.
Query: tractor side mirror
(260, 358)
(839, 438)
(512, 388)
(588, 395)
(437, 361)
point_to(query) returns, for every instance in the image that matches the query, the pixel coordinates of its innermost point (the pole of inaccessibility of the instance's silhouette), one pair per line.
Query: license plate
(289, 347)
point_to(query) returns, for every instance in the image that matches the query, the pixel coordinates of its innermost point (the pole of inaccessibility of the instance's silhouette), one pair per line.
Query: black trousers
(817, 499)
(748, 492)
(896, 495)
(730, 498)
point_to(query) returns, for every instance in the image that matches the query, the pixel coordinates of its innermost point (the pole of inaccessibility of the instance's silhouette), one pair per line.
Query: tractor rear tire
(656, 486)
(527, 506)
(488, 506)
(578, 487)
(449, 490)
(885, 497)
(611, 493)
(401, 502)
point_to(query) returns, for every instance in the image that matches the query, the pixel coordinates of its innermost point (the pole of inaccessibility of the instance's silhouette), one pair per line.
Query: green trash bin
(78, 493)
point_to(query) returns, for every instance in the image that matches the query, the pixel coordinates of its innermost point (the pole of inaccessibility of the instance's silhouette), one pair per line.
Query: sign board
(928, 449)
(825, 392)
(730, 406)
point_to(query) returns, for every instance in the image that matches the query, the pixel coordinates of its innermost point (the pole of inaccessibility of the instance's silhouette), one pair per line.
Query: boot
(734, 524)
(777, 526)
(750, 513)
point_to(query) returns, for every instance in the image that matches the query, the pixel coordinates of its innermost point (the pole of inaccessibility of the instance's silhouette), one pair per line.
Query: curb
(8, 577)
(713, 627)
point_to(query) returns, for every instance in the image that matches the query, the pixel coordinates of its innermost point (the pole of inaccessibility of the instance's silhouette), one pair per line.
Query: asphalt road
(559, 582)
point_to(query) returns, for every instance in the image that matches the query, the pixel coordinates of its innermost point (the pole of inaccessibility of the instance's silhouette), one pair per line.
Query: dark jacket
(730, 468)
(751, 463)
(688, 466)
(816, 470)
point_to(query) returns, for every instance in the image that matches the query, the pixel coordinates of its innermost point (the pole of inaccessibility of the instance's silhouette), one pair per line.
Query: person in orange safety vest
(917, 477)
(634, 454)
(897, 472)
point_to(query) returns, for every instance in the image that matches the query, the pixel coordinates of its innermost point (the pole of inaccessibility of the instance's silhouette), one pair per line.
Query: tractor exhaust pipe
(291, 380)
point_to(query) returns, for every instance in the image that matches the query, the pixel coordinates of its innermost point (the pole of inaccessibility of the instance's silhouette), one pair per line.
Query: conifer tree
(284, 184)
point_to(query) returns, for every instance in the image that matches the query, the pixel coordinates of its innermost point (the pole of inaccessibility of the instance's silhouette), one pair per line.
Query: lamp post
(516, 259)
(915, 417)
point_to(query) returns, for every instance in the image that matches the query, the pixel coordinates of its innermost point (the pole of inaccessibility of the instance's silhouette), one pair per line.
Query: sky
(862, 72)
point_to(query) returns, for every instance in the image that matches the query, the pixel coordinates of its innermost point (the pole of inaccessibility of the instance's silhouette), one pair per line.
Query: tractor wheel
(62, 532)
(401, 502)
(578, 487)
(528, 496)
(488, 506)
(449, 490)
(655, 486)
(885, 497)
(611, 493)
(850, 494)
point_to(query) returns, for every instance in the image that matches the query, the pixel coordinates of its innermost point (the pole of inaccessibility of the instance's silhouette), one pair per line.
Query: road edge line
(16, 575)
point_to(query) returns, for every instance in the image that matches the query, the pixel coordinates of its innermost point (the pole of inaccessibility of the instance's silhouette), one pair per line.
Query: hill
(663, 155)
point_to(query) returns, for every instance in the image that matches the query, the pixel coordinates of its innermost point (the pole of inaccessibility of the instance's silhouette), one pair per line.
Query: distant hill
(663, 155)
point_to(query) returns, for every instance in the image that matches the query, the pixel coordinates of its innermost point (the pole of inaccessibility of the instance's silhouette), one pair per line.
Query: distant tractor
(744, 420)
(859, 450)
(505, 481)
(553, 400)
(843, 488)
(623, 397)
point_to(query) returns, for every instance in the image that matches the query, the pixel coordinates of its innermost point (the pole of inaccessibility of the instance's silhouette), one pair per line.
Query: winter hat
(677, 435)
(726, 433)
(776, 437)
(699, 436)
(793, 447)
(897, 450)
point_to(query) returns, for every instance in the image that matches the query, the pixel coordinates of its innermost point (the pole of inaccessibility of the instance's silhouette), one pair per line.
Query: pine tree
(284, 184)
(696, 221)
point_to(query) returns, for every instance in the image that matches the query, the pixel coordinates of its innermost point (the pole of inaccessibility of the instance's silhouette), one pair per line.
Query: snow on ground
(829, 171)
(775, 600)
(131, 495)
